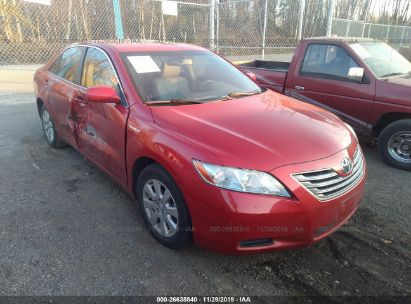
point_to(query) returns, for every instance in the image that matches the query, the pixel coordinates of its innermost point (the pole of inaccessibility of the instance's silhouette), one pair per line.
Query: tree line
(79, 20)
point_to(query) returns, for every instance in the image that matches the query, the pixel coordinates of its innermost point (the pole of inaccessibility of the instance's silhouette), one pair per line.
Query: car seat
(171, 85)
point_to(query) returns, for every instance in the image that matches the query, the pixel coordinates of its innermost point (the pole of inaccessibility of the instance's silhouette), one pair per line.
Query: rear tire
(49, 129)
(163, 207)
(394, 144)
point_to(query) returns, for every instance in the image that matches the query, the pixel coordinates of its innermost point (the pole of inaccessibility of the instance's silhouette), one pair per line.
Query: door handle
(91, 133)
(90, 130)
(299, 88)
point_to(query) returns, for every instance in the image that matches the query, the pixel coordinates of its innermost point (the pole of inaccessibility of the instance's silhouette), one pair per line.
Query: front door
(322, 80)
(100, 128)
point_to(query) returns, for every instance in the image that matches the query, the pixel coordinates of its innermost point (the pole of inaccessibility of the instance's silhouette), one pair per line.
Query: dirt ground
(67, 229)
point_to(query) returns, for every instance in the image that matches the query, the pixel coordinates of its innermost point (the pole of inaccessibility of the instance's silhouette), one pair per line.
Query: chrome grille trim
(327, 184)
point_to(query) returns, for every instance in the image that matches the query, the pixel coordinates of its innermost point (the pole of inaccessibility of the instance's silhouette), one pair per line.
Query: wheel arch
(387, 119)
(138, 166)
(39, 103)
(144, 161)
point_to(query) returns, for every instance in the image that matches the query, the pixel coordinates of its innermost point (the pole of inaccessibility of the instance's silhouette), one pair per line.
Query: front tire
(163, 207)
(50, 129)
(395, 144)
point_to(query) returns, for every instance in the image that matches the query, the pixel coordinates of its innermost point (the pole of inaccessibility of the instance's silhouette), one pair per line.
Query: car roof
(145, 46)
(340, 39)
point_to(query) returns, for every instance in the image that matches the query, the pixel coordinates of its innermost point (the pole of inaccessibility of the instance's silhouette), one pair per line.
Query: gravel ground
(67, 229)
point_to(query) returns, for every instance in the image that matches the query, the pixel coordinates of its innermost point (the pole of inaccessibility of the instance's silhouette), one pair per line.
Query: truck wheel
(395, 144)
(163, 207)
(50, 130)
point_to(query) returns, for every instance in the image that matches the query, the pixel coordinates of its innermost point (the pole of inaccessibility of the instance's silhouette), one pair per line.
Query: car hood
(394, 90)
(260, 132)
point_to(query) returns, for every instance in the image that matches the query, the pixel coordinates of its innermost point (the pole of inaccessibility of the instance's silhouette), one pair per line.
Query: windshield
(382, 59)
(188, 76)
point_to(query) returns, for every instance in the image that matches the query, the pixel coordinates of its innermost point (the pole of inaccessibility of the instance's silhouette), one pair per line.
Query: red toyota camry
(209, 155)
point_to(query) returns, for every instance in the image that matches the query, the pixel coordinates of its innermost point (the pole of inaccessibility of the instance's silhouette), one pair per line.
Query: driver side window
(327, 60)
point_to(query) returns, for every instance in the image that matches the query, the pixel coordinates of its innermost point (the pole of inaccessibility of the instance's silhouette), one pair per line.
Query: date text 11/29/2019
(204, 299)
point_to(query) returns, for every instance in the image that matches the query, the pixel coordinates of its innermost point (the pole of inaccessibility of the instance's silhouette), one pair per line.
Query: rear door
(320, 78)
(100, 128)
(62, 85)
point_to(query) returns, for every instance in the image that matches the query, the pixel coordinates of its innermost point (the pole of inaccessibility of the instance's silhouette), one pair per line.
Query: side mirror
(252, 76)
(356, 74)
(102, 94)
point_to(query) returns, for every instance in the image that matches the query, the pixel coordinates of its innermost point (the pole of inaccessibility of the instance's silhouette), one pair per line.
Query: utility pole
(264, 29)
(330, 18)
(118, 21)
(212, 22)
(301, 19)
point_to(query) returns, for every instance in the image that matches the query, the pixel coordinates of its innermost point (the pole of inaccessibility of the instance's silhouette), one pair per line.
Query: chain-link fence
(33, 30)
(250, 29)
(396, 36)
(247, 29)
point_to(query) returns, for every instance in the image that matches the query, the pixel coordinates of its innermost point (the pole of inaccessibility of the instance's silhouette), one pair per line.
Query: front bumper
(239, 223)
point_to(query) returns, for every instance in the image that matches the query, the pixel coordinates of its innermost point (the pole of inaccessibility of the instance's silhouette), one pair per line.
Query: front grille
(327, 184)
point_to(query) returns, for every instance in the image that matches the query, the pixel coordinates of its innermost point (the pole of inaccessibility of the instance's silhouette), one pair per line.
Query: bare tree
(13, 20)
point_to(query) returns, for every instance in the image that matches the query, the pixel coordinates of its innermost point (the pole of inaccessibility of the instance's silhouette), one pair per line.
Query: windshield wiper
(392, 74)
(241, 94)
(238, 94)
(183, 101)
(172, 101)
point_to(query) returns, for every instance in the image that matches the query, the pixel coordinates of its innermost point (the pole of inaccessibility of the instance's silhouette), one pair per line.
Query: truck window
(327, 60)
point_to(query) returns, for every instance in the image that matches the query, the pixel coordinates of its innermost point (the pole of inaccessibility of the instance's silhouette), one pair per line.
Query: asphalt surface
(67, 229)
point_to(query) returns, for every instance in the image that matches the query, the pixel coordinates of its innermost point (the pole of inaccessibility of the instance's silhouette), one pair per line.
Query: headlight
(351, 129)
(242, 180)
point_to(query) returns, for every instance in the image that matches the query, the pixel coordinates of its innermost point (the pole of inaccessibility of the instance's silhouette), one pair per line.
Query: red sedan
(210, 156)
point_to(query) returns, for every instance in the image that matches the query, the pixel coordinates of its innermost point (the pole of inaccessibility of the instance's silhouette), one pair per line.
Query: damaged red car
(209, 155)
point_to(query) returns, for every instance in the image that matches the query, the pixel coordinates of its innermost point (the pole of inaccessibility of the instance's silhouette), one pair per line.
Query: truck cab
(365, 82)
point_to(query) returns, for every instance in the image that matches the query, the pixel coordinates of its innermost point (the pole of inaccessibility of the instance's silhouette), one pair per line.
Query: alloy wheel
(160, 208)
(48, 126)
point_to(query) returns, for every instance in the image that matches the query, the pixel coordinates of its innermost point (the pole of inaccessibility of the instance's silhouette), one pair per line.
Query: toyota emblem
(346, 165)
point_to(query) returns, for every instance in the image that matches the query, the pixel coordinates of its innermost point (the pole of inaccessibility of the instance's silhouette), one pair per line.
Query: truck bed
(270, 74)
(268, 65)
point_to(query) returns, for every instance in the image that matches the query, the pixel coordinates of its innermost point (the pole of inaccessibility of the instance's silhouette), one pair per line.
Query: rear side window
(70, 64)
(55, 66)
(327, 60)
(97, 70)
